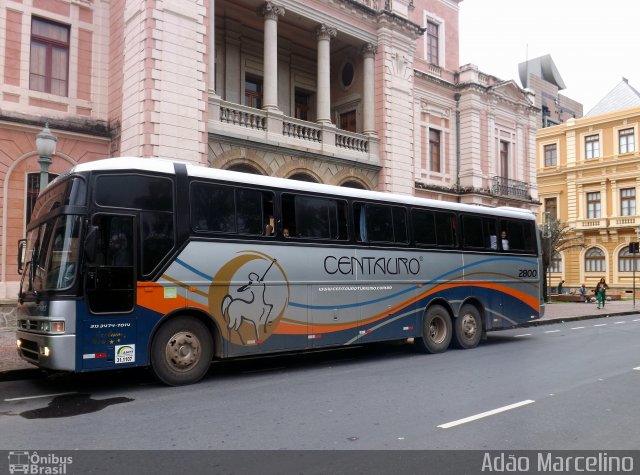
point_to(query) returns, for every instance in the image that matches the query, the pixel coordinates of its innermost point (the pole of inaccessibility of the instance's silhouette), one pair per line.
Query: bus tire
(467, 328)
(181, 351)
(436, 331)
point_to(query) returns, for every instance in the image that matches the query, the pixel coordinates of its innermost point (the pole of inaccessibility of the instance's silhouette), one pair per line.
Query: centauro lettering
(346, 265)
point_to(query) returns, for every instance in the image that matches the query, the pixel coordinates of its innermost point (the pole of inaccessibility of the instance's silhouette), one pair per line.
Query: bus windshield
(54, 249)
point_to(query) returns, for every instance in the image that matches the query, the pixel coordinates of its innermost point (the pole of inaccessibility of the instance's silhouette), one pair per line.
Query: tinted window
(227, 209)
(479, 232)
(213, 208)
(521, 235)
(445, 229)
(135, 192)
(313, 217)
(380, 223)
(424, 227)
(157, 239)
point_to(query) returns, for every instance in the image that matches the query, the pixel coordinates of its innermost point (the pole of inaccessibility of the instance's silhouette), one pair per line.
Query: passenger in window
(119, 250)
(268, 230)
(285, 232)
(505, 241)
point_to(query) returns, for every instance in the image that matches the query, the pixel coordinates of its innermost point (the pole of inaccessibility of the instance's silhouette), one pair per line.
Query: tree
(556, 237)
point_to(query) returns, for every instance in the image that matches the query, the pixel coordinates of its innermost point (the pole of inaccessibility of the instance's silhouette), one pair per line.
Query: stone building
(588, 177)
(359, 93)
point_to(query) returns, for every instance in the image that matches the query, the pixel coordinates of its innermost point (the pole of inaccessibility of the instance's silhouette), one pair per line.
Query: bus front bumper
(47, 351)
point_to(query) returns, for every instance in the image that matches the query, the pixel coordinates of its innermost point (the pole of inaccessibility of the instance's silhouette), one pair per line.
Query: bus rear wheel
(468, 327)
(181, 351)
(436, 331)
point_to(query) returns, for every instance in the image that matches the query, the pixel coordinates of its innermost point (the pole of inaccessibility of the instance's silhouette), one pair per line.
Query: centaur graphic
(252, 310)
(255, 311)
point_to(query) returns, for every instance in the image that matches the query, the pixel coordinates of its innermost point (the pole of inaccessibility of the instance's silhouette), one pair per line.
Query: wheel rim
(469, 326)
(183, 351)
(437, 329)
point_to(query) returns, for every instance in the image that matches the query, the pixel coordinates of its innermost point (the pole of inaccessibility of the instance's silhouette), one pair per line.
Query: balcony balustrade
(247, 123)
(508, 187)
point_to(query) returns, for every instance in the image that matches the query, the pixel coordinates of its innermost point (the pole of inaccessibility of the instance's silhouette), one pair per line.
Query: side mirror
(22, 246)
(91, 244)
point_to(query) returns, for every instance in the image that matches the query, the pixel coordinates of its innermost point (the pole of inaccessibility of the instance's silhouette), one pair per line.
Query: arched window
(556, 263)
(625, 260)
(244, 168)
(594, 260)
(353, 184)
(303, 177)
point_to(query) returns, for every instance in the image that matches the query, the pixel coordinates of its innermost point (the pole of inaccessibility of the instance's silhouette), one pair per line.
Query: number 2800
(528, 273)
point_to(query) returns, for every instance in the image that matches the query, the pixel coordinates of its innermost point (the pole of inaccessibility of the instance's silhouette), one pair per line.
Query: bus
(133, 262)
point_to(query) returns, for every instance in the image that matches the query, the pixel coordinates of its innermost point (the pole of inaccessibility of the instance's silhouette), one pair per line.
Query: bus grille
(29, 349)
(28, 324)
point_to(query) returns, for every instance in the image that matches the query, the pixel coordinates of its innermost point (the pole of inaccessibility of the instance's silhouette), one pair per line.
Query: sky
(593, 44)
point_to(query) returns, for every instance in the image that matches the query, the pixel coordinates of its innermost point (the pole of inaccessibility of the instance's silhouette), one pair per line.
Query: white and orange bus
(149, 262)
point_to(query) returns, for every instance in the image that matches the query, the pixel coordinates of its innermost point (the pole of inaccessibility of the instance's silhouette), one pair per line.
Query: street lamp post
(46, 145)
(547, 235)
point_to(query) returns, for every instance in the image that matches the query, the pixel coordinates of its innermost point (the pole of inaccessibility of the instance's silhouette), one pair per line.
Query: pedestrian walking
(601, 292)
(560, 285)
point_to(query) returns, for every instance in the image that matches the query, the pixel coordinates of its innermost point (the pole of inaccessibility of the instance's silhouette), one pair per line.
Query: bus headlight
(45, 351)
(18, 343)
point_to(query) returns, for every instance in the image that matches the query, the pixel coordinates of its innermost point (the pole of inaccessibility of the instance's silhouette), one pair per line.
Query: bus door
(107, 330)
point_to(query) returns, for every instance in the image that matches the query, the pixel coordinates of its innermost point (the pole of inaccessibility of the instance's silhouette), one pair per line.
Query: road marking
(637, 369)
(601, 325)
(485, 414)
(552, 331)
(619, 323)
(637, 320)
(578, 328)
(524, 334)
(37, 397)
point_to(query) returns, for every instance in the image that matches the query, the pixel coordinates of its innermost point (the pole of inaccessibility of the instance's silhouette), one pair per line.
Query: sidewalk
(13, 367)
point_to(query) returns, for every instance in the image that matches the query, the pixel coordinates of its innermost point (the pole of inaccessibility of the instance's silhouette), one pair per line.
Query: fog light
(45, 351)
(18, 343)
(57, 327)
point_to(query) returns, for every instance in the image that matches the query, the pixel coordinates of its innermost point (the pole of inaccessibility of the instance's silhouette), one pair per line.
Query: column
(324, 35)
(270, 12)
(212, 48)
(368, 104)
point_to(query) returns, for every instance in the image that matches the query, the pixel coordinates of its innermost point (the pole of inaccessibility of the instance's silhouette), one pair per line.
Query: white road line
(36, 397)
(578, 328)
(485, 414)
(637, 369)
(524, 334)
(601, 325)
(619, 323)
(637, 320)
(552, 331)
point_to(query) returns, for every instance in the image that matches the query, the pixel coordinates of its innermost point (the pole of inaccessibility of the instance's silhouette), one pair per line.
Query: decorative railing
(299, 129)
(243, 116)
(434, 70)
(351, 141)
(508, 187)
(624, 221)
(284, 131)
(592, 223)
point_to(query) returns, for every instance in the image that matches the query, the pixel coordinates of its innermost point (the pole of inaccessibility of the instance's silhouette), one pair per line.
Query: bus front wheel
(468, 327)
(436, 331)
(181, 351)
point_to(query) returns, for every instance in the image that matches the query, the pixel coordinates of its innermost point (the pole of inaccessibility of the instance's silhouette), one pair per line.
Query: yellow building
(589, 178)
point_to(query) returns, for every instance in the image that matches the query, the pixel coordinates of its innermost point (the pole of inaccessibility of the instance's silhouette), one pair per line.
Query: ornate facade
(359, 93)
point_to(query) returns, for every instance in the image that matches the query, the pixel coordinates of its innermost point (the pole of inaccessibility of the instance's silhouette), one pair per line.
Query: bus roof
(161, 165)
